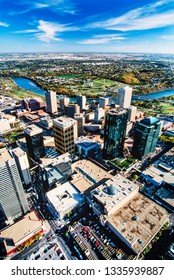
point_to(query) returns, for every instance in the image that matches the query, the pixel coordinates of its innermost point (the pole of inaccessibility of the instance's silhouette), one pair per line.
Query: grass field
(167, 108)
(79, 85)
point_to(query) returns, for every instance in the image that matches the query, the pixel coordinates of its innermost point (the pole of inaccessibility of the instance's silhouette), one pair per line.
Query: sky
(130, 26)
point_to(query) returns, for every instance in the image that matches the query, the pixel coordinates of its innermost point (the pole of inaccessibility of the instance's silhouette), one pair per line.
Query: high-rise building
(13, 203)
(23, 165)
(114, 133)
(132, 110)
(146, 137)
(34, 140)
(64, 101)
(81, 101)
(103, 102)
(80, 118)
(51, 101)
(124, 96)
(65, 131)
(98, 114)
(71, 110)
(32, 104)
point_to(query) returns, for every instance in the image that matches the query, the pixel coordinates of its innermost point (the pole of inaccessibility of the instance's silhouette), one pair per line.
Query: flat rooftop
(138, 221)
(64, 197)
(163, 169)
(4, 155)
(18, 152)
(114, 192)
(87, 174)
(32, 130)
(28, 225)
(64, 121)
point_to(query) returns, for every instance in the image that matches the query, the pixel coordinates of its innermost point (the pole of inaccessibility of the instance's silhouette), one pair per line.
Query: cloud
(102, 39)
(4, 24)
(48, 31)
(168, 37)
(57, 6)
(147, 17)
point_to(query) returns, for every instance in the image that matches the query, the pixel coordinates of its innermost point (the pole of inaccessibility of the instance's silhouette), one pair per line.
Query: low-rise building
(86, 147)
(64, 199)
(20, 232)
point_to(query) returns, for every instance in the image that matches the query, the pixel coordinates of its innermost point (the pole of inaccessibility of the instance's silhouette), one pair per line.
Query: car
(37, 257)
(52, 256)
(62, 257)
(46, 250)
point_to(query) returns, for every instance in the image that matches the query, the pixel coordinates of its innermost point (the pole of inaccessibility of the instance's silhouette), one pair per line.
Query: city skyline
(90, 26)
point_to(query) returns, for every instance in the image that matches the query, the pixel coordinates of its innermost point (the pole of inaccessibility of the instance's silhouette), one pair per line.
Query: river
(32, 86)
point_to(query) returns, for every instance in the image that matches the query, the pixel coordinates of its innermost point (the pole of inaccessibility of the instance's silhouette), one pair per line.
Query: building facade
(146, 137)
(80, 118)
(65, 132)
(51, 101)
(114, 133)
(34, 140)
(13, 203)
(23, 165)
(81, 101)
(124, 96)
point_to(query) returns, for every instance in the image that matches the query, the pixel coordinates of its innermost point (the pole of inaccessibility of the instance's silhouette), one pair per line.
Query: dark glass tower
(34, 140)
(114, 133)
(146, 137)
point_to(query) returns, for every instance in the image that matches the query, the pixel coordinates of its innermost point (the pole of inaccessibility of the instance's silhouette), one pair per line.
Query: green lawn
(167, 108)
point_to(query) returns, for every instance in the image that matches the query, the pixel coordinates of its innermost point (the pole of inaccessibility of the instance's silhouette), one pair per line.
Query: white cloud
(168, 37)
(4, 24)
(102, 39)
(143, 18)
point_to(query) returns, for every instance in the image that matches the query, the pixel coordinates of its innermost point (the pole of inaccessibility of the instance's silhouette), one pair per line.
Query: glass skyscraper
(146, 137)
(114, 133)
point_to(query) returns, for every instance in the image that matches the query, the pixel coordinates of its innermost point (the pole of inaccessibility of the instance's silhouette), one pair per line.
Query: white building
(64, 101)
(51, 101)
(124, 96)
(80, 118)
(81, 101)
(64, 199)
(132, 110)
(98, 114)
(4, 125)
(103, 102)
(22, 164)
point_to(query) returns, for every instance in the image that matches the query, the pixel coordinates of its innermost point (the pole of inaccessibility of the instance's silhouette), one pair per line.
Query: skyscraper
(124, 96)
(103, 102)
(114, 133)
(81, 101)
(146, 137)
(51, 101)
(22, 164)
(64, 101)
(80, 118)
(13, 203)
(72, 109)
(34, 140)
(65, 131)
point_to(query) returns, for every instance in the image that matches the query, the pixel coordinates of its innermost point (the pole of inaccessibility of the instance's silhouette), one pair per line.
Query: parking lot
(50, 251)
(90, 240)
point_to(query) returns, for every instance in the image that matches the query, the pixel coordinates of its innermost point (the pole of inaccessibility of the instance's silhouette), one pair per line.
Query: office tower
(51, 101)
(23, 165)
(132, 110)
(98, 114)
(64, 101)
(65, 131)
(72, 109)
(81, 101)
(114, 133)
(80, 118)
(103, 102)
(34, 140)
(32, 104)
(146, 137)
(13, 203)
(124, 96)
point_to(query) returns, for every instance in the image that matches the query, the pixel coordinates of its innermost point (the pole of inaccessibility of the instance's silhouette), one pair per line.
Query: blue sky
(87, 26)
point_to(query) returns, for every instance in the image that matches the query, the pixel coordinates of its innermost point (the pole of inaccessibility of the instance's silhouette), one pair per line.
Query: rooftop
(138, 221)
(4, 155)
(114, 193)
(18, 152)
(32, 130)
(150, 120)
(87, 174)
(64, 121)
